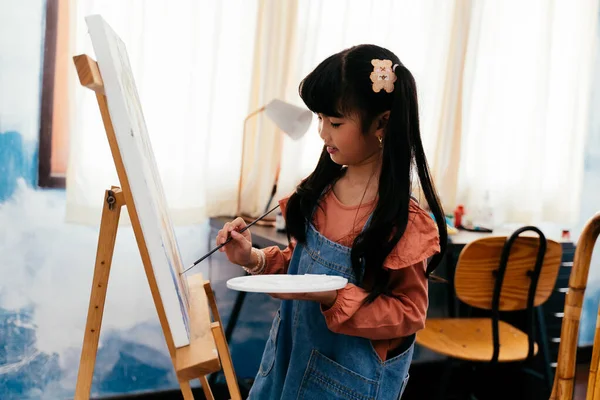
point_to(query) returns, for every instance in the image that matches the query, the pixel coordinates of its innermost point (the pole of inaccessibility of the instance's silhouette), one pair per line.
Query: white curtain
(526, 101)
(192, 64)
(503, 89)
(274, 60)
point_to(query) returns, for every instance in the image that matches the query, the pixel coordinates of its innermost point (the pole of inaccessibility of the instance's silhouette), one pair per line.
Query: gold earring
(380, 142)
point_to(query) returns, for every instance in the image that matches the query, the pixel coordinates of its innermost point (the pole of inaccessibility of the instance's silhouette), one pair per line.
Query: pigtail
(409, 117)
(391, 216)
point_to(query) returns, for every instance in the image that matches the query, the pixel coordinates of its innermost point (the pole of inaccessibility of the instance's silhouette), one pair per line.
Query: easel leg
(186, 391)
(206, 388)
(232, 385)
(222, 348)
(106, 244)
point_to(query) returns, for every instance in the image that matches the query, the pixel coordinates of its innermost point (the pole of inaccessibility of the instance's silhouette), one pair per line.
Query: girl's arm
(277, 260)
(403, 312)
(387, 317)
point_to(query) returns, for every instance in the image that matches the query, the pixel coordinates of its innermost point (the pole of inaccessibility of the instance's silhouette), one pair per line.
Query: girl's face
(345, 141)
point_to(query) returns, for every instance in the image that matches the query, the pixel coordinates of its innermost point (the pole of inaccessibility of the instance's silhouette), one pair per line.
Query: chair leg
(545, 348)
(445, 378)
(468, 389)
(465, 391)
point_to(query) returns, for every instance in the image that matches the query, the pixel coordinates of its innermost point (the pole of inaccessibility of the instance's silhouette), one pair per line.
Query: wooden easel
(208, 348)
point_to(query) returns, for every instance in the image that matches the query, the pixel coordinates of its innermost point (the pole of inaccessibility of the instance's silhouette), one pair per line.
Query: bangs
(323, 90)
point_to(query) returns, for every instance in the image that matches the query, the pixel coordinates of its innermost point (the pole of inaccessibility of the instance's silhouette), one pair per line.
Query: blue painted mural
(26, 371)
(17, 159)
(47, 266)
(44, 292)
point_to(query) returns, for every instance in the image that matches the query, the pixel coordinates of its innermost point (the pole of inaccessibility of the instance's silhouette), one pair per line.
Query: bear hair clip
(383, 75)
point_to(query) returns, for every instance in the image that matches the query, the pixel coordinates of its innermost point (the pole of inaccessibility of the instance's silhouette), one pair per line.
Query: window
(54, 113)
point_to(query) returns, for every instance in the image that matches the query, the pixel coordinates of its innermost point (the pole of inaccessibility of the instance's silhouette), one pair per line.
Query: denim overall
(303, 359)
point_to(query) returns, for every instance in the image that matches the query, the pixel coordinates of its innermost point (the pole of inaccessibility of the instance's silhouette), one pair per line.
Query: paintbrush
(198, 261)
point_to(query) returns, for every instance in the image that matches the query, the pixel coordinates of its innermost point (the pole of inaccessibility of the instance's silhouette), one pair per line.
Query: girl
(352, 216)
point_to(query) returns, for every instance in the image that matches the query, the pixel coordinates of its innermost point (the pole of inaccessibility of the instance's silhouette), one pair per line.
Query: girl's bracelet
(260, 266)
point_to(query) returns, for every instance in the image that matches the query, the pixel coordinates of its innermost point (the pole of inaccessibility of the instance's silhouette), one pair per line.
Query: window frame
(46, 177)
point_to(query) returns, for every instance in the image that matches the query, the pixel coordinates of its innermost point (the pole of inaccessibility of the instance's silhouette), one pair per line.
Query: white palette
(282, 283)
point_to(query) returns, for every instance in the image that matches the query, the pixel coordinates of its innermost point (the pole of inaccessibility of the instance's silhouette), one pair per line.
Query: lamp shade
(293, 120)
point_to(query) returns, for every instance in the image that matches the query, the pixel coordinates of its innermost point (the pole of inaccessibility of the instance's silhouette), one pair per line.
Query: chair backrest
(478, 265)
(567, 351)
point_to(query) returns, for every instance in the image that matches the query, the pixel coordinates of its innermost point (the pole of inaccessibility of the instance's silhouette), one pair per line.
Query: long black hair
(341, 86)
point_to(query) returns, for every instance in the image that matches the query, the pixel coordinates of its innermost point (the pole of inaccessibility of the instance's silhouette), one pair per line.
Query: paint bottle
(459, 211)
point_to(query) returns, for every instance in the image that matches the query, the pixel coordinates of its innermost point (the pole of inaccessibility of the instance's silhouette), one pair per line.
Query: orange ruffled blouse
(388, 319)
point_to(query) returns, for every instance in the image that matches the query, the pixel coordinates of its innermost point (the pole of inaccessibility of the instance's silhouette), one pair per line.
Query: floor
(581, 376)
(424, 378)
(503, 385)
(419, 388)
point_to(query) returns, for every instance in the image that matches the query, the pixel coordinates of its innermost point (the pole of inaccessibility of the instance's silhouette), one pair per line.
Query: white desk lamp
(292, 120)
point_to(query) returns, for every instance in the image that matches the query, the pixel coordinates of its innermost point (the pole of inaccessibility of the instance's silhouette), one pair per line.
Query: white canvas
(144, 179)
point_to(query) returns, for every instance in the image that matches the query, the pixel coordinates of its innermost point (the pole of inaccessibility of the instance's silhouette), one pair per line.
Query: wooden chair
(497, 274)
(567, 351)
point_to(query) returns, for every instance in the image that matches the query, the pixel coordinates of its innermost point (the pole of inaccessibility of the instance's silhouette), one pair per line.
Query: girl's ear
(382, 121)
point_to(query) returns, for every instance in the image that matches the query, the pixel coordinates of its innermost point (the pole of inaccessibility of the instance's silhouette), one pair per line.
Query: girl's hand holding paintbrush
(239, 249)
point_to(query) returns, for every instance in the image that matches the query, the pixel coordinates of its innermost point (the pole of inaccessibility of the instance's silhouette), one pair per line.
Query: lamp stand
(267, 221)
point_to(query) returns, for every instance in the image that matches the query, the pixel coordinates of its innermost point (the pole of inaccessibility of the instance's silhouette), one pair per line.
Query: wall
(44, 292)
(20, 81)
(46, 264)
(590, 202)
